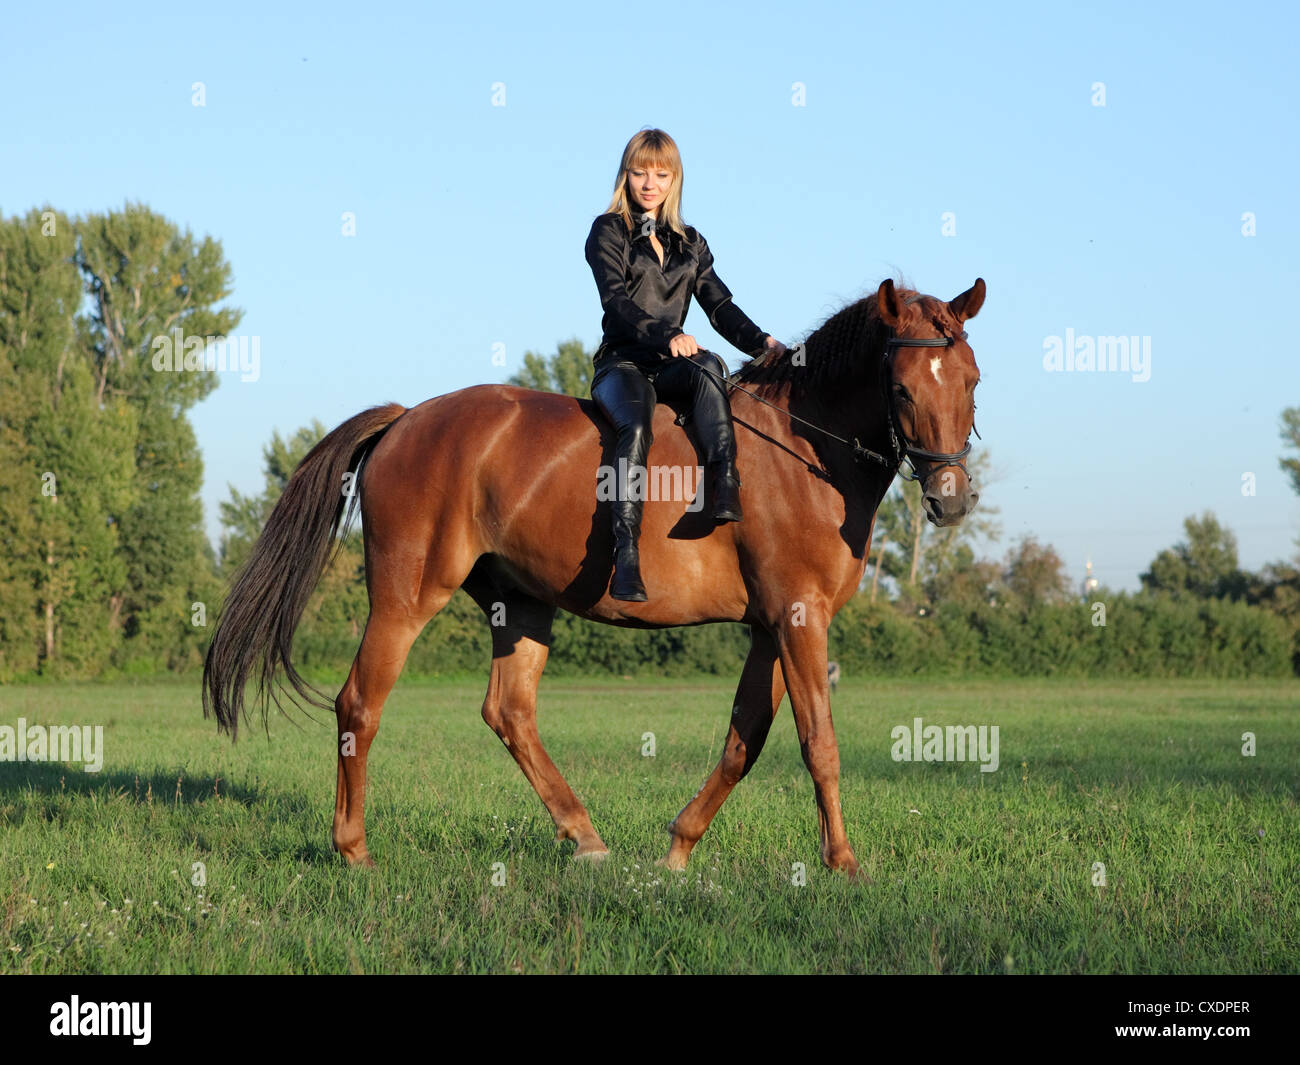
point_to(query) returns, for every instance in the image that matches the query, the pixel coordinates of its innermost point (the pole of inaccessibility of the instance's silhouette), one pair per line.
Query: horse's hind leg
(762, 686)
(384, 647)
(521, 637)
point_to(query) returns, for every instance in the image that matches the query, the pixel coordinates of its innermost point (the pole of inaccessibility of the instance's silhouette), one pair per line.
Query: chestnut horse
(492, 489)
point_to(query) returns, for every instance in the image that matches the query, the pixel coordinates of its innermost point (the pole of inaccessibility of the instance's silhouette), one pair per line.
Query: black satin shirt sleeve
(606, 255)
(731, 323)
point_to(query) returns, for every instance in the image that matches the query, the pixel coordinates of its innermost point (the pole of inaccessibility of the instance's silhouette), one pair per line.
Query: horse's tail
(269, 593)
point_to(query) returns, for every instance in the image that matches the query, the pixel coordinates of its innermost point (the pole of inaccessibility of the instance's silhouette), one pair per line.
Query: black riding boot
(626, 583)
(627, 400)
(627, 506)
(726, 491)
(712, 415)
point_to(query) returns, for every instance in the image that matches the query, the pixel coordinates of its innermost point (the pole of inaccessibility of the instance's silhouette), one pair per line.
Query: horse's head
(929, 382)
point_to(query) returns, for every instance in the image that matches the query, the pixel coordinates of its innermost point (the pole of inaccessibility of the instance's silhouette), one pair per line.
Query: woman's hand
(681, 345)
(775, 346)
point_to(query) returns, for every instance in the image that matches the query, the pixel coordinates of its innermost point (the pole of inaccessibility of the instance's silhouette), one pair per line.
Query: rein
(900, 447)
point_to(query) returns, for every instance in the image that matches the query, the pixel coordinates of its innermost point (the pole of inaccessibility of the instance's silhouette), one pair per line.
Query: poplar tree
(146, 278)
(66, 477)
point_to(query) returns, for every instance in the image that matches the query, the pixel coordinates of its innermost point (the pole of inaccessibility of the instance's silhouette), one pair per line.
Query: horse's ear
(887, 301)
(968, 304)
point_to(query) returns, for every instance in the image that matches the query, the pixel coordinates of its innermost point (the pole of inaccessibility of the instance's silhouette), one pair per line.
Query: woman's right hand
(683, 344)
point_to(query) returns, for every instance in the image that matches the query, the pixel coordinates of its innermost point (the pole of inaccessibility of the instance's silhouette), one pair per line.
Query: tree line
(104, 551)
(106, 570)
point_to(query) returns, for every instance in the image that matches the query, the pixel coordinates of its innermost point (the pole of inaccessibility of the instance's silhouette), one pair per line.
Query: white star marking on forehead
(935, 364)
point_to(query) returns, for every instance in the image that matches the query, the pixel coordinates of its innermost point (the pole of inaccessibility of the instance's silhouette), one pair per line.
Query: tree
(1203, 566)
(912, 551)
(1035, 575)
(1276, 588)
(964, 579)
(150, 282)
(1291, 437)
(67, 475)
(568, 371)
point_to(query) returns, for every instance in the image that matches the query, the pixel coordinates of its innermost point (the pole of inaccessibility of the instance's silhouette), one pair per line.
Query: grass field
(973, 872)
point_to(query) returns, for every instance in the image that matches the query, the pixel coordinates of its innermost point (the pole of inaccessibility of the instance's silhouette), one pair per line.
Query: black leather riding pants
(626, 394)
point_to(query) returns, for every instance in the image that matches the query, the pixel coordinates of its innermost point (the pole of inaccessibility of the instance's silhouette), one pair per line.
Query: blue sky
(1122, 219)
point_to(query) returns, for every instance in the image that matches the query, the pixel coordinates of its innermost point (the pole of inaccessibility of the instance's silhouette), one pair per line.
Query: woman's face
(649, 187)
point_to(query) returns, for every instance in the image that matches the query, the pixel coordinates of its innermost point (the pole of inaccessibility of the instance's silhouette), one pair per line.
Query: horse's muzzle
(944, 510)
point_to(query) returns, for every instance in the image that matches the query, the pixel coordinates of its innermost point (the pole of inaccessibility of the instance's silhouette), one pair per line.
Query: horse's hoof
(590, 856)
(359, 861)
(856, 873)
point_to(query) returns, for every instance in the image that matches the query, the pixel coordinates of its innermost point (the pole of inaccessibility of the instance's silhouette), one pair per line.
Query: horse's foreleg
(519, 652)
(383, 652)
(803, 660)
(757, 699)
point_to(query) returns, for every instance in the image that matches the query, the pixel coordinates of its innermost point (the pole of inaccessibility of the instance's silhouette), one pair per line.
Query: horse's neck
(827, 430)
(794, 451)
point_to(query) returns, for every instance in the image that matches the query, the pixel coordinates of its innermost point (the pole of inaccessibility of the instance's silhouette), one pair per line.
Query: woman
(647, 265)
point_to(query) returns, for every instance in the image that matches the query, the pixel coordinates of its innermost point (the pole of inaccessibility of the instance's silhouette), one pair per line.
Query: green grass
(973, 872)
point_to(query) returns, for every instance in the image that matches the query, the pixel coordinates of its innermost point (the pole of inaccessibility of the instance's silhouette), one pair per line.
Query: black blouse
(645, 303)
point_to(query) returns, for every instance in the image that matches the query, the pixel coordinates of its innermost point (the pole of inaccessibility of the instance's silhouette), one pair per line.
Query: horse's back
(482, 418)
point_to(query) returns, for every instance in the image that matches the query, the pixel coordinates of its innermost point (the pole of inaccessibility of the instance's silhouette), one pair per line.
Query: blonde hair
(650, 149)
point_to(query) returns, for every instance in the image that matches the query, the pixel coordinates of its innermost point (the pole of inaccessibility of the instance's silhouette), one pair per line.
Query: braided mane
(834, 354)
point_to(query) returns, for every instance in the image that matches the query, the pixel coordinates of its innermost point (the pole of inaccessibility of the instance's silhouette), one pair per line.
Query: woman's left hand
(774, 345)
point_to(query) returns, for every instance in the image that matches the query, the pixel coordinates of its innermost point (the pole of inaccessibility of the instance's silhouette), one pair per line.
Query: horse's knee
(508, 718)
(493, 717)
(822, 757)
(349, 711)
(735, 759)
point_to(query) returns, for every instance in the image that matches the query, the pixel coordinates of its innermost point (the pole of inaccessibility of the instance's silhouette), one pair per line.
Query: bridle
(899, 446)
